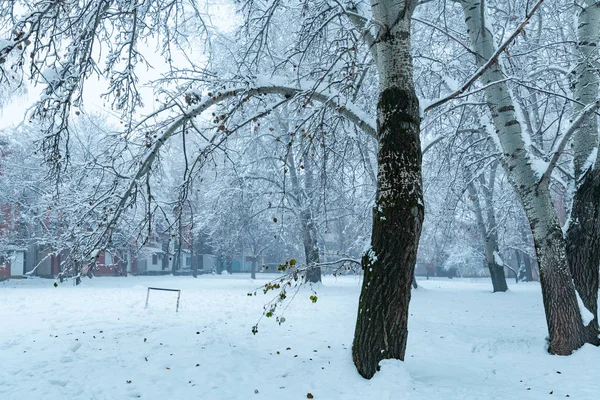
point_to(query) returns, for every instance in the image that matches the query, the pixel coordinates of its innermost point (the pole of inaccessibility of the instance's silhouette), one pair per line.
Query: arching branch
(327, 98)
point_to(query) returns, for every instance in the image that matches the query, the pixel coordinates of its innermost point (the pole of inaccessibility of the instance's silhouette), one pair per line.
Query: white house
(150, 259)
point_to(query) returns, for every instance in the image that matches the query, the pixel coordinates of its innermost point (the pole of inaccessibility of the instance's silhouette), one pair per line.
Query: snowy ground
(96, 341)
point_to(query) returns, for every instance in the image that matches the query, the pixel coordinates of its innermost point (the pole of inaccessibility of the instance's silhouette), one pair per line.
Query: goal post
(164, 290)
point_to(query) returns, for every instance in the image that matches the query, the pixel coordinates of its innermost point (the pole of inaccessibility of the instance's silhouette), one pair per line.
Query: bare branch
(583, 115)
(489, 62)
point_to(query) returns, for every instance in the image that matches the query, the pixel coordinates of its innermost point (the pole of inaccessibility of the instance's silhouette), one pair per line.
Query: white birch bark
(586, 86)
(562, 316)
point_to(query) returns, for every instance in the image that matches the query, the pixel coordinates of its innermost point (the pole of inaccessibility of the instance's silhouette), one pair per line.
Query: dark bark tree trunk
(193, 255)
(164, 261)
(496, 270)
(526, 259)
(313, 275)
(519, 267)
(180, 264)
(382, 326)
(491, 235)
(194, 267)
(498, 277)
(528, 268)
(177, 256)
(583, 247)
(382, 323)
(565, 327)
(253, 273)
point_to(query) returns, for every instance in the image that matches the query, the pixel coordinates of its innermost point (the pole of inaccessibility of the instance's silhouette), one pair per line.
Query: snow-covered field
(96, 341)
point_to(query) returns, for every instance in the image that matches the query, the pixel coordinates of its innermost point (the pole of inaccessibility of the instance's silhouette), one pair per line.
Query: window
(154, 259)
(108, 258)
(188, 261)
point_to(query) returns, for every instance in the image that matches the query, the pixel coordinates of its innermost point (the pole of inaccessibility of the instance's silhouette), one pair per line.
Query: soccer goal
(164, 290)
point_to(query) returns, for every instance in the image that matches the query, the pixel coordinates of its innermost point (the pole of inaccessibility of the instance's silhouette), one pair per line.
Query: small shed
(12, 261)
(17, 262)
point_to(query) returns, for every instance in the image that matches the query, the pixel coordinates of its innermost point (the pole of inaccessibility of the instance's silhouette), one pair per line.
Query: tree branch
(589, 109)
(326, 98)
(360, 23)
(489, 62)
(437, 28)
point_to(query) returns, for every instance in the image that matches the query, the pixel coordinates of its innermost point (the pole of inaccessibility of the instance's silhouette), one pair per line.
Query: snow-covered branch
(583, 115)
(491, 61)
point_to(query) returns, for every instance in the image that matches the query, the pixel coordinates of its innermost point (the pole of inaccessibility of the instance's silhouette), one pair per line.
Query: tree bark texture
(382, 322)
(498, 277)
(583, 247)
(583, 233)
(565, 326)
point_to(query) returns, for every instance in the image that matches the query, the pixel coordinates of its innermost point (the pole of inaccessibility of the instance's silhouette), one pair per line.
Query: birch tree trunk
(382, 322)
(565, 326)
(583, 233)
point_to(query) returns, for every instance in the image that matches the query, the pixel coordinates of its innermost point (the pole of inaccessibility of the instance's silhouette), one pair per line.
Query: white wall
(17, 263)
